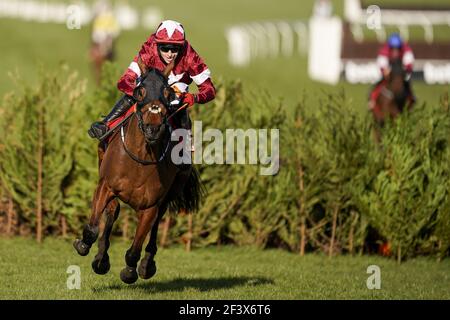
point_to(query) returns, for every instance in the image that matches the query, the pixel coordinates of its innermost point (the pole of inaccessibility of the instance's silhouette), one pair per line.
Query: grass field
(33, 271)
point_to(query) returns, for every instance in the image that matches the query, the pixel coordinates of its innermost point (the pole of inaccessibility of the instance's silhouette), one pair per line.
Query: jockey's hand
(386, 72)
(407, 76)
(188, 98)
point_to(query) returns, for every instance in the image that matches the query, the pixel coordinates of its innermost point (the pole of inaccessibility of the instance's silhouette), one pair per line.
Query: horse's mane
(159, 73)
(397, 67)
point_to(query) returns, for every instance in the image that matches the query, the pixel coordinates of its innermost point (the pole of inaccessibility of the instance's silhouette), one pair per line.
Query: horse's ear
(139, 93)
(169, 68)
(168, 92)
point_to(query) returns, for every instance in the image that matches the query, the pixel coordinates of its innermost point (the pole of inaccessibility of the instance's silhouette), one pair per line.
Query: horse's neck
(396, 84)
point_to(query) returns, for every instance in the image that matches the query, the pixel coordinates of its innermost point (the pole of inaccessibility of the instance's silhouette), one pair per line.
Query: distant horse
(392, 97)
(136, 168)
(99, 53)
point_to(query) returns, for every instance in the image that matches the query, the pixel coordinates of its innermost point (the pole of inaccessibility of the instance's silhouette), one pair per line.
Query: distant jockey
(105, 30)
(168, 43)
(394, 48)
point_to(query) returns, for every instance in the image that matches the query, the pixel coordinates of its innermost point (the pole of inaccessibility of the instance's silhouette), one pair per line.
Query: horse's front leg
(147, 266)
(102, 197)
(101, 264)
(147, 219)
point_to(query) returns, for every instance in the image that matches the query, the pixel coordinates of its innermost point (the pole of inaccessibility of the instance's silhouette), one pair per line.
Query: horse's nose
(154, 109)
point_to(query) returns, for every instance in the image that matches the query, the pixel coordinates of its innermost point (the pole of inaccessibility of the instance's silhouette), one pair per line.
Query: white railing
(267, 39)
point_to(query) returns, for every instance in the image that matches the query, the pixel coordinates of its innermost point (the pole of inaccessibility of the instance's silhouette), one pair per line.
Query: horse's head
(153, 96)
(397, 73)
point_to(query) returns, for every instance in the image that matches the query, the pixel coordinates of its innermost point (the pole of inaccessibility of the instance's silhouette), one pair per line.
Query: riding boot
(99, 128)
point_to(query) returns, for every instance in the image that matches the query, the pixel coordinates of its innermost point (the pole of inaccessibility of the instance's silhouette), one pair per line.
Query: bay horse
(392, 97)
(136, 168)
(99, 53)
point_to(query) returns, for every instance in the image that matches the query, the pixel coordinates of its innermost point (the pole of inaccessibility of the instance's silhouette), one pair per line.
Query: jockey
(105, 29)
(395, 48)
(166, 44)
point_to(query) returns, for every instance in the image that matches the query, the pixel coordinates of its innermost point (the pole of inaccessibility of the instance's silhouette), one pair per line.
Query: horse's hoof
(147, 269)
(101, 265)
(81, 247)
(128, 275)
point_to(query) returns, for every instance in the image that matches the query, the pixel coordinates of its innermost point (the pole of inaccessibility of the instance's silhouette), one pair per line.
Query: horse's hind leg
(147, 267)
(101, 264)
(101, 199)
(147, 219)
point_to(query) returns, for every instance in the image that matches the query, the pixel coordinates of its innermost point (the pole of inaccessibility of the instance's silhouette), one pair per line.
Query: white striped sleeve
(382, 62)
(135, 68)
(408, 58)
(201, 77)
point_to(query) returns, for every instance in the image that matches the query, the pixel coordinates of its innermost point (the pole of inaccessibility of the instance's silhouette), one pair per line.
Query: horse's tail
(190, 197)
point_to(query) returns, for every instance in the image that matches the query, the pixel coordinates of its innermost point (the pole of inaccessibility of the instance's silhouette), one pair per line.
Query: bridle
(168, 128)
(141, 125)
(155, 109)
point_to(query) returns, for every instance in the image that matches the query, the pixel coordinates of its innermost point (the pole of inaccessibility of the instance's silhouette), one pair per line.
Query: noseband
(154, 109)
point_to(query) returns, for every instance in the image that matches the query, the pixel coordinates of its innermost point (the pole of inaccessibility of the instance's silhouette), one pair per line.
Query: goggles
(169, 47)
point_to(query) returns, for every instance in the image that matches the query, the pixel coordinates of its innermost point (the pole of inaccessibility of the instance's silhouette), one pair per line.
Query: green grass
(33, 271)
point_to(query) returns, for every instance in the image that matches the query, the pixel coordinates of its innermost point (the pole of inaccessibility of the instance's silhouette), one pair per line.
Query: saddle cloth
(377, 90)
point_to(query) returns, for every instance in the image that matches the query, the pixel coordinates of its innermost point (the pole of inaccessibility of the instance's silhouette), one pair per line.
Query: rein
(120, 124)
(184, 106)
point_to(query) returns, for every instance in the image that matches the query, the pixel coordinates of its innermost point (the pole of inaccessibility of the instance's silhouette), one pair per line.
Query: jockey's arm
(408, 68)
(139, 65)
(127, 82)
(408, 61)
(206, 92)
(201, 75)
(383, 64)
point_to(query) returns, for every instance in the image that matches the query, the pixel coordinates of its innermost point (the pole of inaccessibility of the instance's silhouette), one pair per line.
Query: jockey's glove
(407, 76)
(188, 98)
